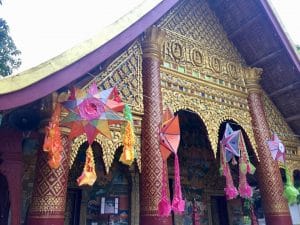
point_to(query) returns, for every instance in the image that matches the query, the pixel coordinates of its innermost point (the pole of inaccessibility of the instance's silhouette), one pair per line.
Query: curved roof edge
(282, 34)
(37, 82)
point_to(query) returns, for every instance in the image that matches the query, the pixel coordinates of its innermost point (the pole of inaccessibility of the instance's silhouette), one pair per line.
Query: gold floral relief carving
(212, 114)
(124, 72)
(278, 125)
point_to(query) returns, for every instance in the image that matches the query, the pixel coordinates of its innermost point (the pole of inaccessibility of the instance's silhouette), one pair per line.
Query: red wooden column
(150, 183)
(12, 169)
(270, 183)
(49, 190)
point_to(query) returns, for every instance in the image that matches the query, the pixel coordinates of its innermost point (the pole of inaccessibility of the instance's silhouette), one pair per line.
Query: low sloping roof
(250, 25)
(74, 63)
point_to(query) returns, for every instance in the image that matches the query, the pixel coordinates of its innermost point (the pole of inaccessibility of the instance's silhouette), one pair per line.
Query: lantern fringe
(52, 142)
(129, 154)
(178, 204)
(164, 205)
(230, 190)
(88, 176)
(245, 167)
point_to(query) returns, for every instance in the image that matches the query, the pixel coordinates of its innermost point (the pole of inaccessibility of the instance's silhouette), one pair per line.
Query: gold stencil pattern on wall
(194, 20)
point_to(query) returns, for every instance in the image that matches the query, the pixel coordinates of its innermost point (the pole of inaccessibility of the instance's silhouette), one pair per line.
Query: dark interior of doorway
(73, 204)
(219, 210)
(4, 200)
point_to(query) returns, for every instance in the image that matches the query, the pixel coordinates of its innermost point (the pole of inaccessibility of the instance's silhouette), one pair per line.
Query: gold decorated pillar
(151, 177)
(269, 178)
(50, 189)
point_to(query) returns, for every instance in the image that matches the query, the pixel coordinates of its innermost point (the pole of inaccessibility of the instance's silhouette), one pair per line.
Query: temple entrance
(107, 201)
(202, 186)
(4, 200)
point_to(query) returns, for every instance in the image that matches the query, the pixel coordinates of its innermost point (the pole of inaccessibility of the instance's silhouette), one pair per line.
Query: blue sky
(43, 29)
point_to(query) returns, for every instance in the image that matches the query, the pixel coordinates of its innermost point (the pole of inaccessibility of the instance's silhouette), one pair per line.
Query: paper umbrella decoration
(169, 142)
(91, 113)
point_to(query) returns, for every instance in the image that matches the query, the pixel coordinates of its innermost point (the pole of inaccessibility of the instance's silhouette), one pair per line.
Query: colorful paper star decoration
(231, 145)
(277, 148)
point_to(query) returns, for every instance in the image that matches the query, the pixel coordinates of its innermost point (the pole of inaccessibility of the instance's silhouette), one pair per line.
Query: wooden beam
(285, 89)
(243, 27)
(293, 118)
(267, 57)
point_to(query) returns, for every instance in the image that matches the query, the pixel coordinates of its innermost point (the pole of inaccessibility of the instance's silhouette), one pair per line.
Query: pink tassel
(164, 205)
(230, 190)
(178, 204)
(245, 190)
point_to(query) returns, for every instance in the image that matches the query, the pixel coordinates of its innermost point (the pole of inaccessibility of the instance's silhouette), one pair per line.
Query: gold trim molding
(108, 146)
(211, 113)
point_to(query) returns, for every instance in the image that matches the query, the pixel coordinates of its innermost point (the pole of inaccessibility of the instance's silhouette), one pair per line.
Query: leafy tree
(298, 49)
(9, 53)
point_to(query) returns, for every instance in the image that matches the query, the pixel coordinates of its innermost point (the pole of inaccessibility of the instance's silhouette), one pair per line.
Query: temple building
(212, 63)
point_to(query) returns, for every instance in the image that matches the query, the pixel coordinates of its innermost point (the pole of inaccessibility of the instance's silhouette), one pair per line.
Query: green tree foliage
(298, 49)
(9, 53)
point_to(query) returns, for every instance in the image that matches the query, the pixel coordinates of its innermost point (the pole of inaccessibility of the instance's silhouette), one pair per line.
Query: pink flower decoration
(91, 109)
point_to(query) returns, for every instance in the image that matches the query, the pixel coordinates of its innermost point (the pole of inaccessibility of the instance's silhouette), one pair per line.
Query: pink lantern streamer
(169, 142)
(245, 167)
(178, 203)
(230, 190)
(164, 206)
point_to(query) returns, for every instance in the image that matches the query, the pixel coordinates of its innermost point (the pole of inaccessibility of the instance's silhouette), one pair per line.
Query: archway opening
(296, 176)
(201, 184)
(238, 208)
(108, 200)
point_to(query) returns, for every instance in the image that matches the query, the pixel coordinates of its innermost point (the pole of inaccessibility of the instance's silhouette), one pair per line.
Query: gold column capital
(152, 42)
(252, 78)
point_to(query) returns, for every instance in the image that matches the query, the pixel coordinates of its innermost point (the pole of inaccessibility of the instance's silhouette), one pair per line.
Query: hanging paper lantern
(92, 112)
(169, 142)
(230, 190)
(277, 148)
(245, 167)
(228, 150)
(52, 142)
(88, 176)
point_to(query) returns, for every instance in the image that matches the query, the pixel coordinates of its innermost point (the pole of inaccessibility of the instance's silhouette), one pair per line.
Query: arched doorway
(202, 186)
(107, 201)
(4, 200)
(239, 209)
